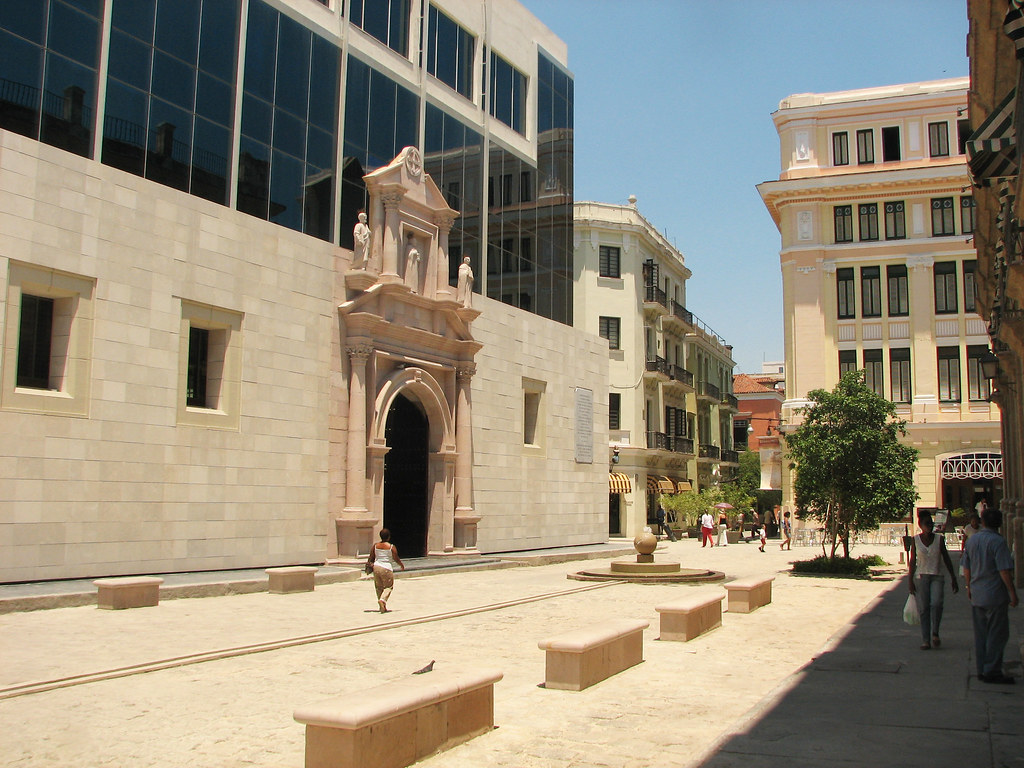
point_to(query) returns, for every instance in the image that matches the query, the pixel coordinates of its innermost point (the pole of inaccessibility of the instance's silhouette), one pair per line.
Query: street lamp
(989, 365)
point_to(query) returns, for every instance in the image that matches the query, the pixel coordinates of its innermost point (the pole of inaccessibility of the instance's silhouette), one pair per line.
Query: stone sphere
(645, 543)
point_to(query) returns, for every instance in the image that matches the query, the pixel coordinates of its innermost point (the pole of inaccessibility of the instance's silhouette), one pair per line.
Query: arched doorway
(969, 477)
(405, 477)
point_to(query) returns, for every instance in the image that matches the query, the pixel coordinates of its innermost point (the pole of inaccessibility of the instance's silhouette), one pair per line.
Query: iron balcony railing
(677, 373)
(710, 451)
(678, 310)
(707, 389)
(731, 456)
(679, 444)
(658, 365)
(657, 441)
(654, 295)
(731, 401)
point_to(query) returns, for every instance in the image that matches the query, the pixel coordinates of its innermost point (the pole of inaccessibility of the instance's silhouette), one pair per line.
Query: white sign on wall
(584, 426)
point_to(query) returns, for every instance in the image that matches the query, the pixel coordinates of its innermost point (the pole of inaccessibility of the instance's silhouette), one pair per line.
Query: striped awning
(652, 484)
(666, 486)
(1013, 27)
(992, 149)
(618, 483)
(684, 486)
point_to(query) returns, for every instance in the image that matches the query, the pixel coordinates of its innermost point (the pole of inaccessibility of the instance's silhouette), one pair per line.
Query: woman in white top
(927, 557)
(383, 558)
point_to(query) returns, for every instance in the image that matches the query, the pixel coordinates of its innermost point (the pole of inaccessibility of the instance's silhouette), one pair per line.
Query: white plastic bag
(910, 614)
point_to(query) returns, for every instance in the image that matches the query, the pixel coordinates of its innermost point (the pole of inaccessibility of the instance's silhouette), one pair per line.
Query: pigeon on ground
(428, 668)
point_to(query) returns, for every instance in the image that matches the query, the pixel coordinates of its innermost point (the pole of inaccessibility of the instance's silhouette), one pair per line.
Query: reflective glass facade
(49, 53)
(171, 84)
(170, 92)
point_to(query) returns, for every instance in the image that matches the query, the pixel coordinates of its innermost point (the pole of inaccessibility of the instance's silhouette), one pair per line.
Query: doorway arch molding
(426, 390)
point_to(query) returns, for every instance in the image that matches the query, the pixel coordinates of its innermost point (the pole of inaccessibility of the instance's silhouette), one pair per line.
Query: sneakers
(999, 679)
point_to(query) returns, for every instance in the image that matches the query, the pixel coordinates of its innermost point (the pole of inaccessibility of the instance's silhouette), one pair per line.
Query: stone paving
(688, 704)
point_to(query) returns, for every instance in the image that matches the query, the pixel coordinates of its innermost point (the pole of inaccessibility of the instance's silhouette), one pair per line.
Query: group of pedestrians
(987, 568)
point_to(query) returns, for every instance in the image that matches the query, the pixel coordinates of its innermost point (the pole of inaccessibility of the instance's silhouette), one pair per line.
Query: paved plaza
(826, 675)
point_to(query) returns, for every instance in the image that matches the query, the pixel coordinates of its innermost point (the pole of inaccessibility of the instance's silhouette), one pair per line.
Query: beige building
(200, 373)
(874, 207)
(670, 401)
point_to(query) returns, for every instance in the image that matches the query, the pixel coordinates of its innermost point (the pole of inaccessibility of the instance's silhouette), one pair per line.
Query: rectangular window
(609, 329)
(845, 298)
(978, 387)
(899, 375)
(895, 220)
(507, 94)
(891, 144)
(609, 261)
(868, 214)
(942, 216)
(870, 292)
(967, 214)
(198, 359)
(896, 279)
(614, 410)
(963, 133)
(843, 215)
(949, 374)
(945, 287)
(865, 147)
(35, 337)
(841, 148)
(938, 139)
(386, 20)
(873, 371)
(970, 267)
(450, 52)
(847, 361)
(534, 431)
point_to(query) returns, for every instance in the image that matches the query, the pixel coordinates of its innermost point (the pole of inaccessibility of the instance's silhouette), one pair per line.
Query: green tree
(852, 471)
(748, 476)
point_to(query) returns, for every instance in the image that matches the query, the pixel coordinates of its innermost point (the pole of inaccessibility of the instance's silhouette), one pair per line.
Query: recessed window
(865, 147)
(868, 215)
(533, 415)
(970, 267)
(845, 296)
(967, 214)
(871, 292)
(873, 371)
(895, 220)
(899, 375)
(507, 96)
(841, 148)
(450, 50)
(896, 278)
(609, 257)
(210, 366)
(609, 329)
(843, 216)
(47, 349)
(949, 374)
(386, 20)
(891, 144)
(614, 410)
(938, 139)
(945, 287)
(847, 361)
(978, 387)
(963, 133)
(942, 217)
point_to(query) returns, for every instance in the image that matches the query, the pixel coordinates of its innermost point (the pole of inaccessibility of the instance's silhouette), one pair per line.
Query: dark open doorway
(405, 477)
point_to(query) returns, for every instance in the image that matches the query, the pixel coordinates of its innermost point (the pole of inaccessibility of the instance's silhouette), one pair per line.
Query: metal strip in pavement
(41, 686)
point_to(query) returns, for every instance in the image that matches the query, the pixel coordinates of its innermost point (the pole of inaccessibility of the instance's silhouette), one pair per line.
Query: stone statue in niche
(464, 292)
(361, 236)
(412, 265)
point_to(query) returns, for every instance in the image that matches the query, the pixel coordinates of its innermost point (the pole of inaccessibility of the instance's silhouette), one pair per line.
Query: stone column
(464, 440)
(392, 198)
(355, 478)
(444, 221)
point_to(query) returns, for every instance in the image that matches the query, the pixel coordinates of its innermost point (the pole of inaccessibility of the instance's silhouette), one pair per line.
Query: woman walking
(383, 558)
(723, 528)
(927, 557)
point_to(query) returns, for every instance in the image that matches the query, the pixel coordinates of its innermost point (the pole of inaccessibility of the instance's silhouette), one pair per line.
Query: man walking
(988, 576)
(663, 524)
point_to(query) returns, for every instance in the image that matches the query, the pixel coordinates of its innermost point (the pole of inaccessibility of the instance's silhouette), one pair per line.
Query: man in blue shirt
(988, 576)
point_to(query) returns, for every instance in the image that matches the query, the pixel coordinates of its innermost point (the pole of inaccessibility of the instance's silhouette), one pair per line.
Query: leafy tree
(748, 476)
(852, 472)
(689, 506)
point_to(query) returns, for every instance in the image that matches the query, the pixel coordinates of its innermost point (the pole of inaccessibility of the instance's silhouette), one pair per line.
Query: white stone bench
(128, 592)
(398, 723)
(292, 578)
(691, 616)
(583, 657)
(746, 595)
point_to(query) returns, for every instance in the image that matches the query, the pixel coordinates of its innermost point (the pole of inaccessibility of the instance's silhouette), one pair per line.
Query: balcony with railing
(709, 391)
(657, 367)
(655, 298)
(709, 452)
(657, 441)
(729, 400)
(679, 316)
(680, 375)
(679, 444)
(730, 456)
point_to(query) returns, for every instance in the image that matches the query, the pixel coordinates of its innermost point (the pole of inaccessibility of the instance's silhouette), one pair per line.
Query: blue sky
(674, 101)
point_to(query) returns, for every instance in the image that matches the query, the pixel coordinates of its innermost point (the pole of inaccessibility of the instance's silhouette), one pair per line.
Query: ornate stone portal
(403, 334)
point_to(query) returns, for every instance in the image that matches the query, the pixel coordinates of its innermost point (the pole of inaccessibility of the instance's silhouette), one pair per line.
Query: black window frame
(609, 261)
(979, 389)
(948, 368)
(842, 216)
(871, 292)
(945, 284)
(846, 295)
(938, 139)
(874, 375)
(899, 360)
(897, 290)
(610, 328)
(196, 378)
(970, 267)
(892, 148)
(614, 410)
(35, 342)
(943, 221)
(866, 146)
(967, 213)
(847, 361)
(895, 220)
(867, 220)
(841, 148)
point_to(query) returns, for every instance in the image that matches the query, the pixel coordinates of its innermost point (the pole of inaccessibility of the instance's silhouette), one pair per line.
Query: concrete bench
(746, 595)
(578, 659)
(128, 592)
(398, 723)
(691, 616)
(294, 578)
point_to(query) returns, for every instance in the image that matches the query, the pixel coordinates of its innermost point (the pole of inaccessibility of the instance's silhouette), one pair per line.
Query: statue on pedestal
(412, 266)
(464, 294)
(361, 235)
